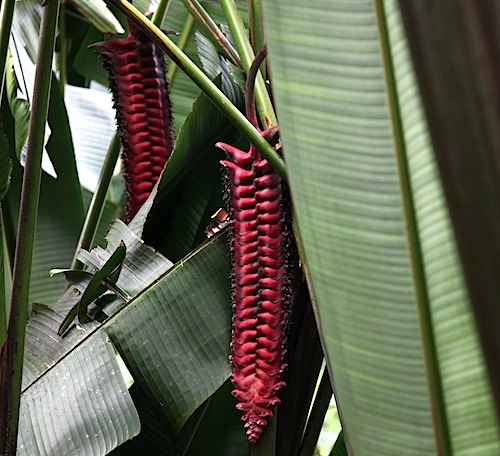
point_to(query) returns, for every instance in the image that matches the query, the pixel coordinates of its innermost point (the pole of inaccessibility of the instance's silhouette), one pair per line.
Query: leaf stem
(13, 350)
(6, 16)
(160, 11)
(205, 21)
(204, 83)
(240, 37)
(96, 207)
(184, 38)
(256, 25)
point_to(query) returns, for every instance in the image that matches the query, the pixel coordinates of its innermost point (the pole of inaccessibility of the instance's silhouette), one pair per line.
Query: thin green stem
(183, 40)
(434, 381)
(317, 416)
(6, 15)
(244, 48)
(159, 14)
(205, 84)
(205, 21)
(13, 350)
(96, 207)
(256, 25)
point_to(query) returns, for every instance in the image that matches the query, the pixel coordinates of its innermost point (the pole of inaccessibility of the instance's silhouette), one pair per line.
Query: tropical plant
(395, 191)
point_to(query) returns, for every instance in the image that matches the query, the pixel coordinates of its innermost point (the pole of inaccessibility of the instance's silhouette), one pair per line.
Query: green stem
(240, 37)
(159, 14)
(256, 25)
(317, 416)
(206, 22)
(434, 381)
(96, 207)
(205, 84)
(13, 350)
(6, 15)
(183, 40)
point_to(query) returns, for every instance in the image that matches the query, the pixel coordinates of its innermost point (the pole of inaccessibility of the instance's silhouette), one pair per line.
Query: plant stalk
(256, 25)
(160, 11)
(244, 48)
(317, 416)
(204, 83)
(205, 21)
(96, 207)
(11, 358)
(184, 38)
(6, 16)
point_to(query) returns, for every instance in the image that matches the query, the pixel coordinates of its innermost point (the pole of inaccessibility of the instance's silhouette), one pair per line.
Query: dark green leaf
(339, 449)
(215, 65)
(174, 337)
(5, 166)
(99, 284)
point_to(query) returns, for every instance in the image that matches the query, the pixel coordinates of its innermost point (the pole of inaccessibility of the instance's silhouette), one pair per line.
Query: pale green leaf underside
(174, 337)
(332, 104)
(98, 14)
(73, 402)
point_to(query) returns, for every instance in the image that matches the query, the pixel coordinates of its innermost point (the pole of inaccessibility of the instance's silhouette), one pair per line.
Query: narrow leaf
(96, 287)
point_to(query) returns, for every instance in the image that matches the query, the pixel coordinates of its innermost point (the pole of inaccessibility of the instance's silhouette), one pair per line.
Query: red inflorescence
(143, 111)
(259, 287)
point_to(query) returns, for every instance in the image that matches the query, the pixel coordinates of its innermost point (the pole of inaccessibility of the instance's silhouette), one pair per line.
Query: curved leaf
(173, 336)
(99, 15)
(338, 133)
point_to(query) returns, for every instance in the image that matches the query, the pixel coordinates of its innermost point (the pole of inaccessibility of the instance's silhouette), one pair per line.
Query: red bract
(143, 111)
(260, 295)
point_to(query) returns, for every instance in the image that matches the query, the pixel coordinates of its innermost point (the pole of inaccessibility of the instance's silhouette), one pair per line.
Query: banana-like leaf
(92, 122)
(391, 302)
(20, 108)
(215, 65)
(74, 399)
(5, 171)
(173, 336)
(5, 166)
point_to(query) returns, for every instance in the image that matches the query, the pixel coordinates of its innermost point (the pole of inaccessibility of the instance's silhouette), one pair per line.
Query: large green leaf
(92, 122)
(74, 400)
(173, 336)
(349, 153)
